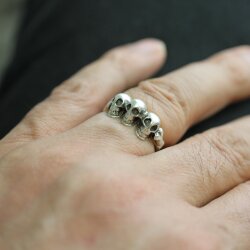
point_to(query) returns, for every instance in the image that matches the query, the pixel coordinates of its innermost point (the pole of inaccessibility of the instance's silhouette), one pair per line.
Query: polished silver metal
(136, 109)
(158, 139)
(149, 124)
(133, 112)
(118, 105)
(150, 127)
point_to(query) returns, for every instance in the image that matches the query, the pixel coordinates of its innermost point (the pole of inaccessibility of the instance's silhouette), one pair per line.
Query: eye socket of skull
(128, 106)
(154, 128)
(147, 121)
(119, 102)
(135, 111)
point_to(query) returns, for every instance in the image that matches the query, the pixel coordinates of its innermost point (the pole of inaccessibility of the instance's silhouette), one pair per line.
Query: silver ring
(133, 112)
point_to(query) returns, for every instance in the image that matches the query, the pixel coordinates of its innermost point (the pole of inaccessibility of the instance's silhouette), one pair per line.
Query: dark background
(58, 37)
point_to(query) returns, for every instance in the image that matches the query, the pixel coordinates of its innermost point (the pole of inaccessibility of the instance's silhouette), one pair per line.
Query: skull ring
(118, 105)
(133, 112)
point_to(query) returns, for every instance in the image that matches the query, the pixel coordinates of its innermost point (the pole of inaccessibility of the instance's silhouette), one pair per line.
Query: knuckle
(34, 125)
(71, 91)
(72, 86)
(42, 119)
(119, 61)
(166, 97)
(164, 92)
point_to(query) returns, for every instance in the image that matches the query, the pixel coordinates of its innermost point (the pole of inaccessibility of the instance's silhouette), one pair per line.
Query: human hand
(73, 178)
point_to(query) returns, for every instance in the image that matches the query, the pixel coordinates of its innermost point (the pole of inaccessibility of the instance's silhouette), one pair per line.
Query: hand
(73, 178)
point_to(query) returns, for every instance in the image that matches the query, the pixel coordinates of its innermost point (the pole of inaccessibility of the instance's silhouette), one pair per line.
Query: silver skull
(136, 109)
(118, 105)
(150, 125)
(158, 139)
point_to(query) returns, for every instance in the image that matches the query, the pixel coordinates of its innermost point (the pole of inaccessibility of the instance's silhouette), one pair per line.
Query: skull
(118, 105)
(136, 109)
(158, 139)
(150, 125)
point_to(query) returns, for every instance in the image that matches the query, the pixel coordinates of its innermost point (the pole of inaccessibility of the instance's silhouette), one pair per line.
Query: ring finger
(188, 95)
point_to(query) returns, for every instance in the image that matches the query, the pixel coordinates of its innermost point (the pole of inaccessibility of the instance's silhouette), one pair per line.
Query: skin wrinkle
(155, 97)
(72, 88)
(198, 162)
(153, 89)
(215, 161)
(233, 156)
(199, 170)
(215, 164)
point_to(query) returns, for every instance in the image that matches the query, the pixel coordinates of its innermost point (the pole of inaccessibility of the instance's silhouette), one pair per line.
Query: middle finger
(181, 99)
(187, 96)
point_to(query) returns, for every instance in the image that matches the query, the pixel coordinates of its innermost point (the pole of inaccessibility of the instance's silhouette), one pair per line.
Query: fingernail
(148, 47)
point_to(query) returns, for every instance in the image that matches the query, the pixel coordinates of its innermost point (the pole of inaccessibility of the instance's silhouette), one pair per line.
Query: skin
(72, 178)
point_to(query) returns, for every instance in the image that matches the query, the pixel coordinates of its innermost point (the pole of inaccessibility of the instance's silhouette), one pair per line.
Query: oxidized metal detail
(118, 105)
(136, 109)
(133, 112)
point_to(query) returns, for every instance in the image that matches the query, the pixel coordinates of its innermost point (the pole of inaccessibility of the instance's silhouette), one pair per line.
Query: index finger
(85, 93)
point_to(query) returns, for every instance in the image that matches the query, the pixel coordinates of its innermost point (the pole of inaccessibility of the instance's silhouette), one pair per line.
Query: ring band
(133, 112)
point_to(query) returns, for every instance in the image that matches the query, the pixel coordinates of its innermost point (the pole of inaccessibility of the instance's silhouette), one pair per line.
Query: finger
(182, 98)
(208, 165)
(233, 211)
(85, 94)
(187, 96)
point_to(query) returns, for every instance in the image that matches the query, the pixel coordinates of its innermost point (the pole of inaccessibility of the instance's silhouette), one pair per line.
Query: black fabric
(58, 37)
